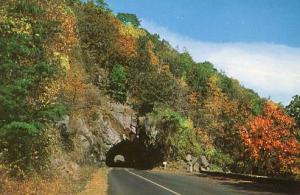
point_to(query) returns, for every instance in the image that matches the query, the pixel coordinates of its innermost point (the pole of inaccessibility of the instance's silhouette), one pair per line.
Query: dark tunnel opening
(137, 152)
(133, 154)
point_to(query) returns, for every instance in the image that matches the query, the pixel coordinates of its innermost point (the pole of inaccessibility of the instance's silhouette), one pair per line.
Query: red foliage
(270, 141)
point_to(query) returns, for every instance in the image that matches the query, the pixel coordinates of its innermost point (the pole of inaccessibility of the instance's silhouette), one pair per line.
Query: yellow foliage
(3, 14)
(153, 58)
(63, 60)
(67, 37)
(17, 25)
(134, 32)
(47, 93)
(216, 99)
(51, 91)
(182, 82)
(189, 123)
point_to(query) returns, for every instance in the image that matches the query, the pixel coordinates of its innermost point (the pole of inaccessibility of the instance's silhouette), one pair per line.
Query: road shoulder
(98, 184)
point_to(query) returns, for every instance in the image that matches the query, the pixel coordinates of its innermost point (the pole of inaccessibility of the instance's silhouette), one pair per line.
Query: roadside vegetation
(97, 184)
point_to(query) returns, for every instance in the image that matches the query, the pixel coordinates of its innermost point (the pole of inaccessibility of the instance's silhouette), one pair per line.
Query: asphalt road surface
(123, 181)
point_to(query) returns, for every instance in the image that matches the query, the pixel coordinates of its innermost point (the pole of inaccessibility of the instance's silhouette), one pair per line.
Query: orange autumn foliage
(126, 39)
(153, 58)
(270, 141)
(193, 98)
(74, 87)
(127, 46)
(67, 37)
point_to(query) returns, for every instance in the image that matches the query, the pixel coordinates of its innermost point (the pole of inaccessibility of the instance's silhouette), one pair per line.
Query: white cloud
(270, 69)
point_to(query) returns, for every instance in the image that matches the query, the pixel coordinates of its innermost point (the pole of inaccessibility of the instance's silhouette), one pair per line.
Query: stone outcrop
(194, 164)
(89, 140)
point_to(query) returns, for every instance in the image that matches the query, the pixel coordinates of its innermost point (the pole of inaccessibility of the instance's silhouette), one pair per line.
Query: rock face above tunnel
(149, 124)
(125, 116)
(90, 139)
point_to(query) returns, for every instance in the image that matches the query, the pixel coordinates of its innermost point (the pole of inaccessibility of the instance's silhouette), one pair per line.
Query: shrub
(176, 137)
(219, 161)
(24, 147)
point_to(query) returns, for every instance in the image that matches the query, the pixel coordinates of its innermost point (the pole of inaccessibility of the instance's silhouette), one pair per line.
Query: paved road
(137, 182)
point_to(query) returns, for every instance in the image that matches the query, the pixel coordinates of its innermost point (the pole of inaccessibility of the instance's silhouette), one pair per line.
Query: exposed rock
(203, 169)
(194, 160)
(188, 157)
(204, 162)
(88, 140)
(110, 136)
(65, 121)
(84, 143)
(196, 167)
(125, 116)
(149, 125)
(65, 133)
(101, 77)
(64, 126)
(82, 130)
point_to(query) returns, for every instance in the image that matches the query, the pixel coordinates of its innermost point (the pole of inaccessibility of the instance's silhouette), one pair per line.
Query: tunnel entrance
(137, 152)
(133, 154)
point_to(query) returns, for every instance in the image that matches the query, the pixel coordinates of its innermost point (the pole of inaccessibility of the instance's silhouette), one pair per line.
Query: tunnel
(133, 154)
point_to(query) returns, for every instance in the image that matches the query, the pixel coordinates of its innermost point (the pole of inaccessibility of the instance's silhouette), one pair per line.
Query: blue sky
(276, 21)
(255, 41)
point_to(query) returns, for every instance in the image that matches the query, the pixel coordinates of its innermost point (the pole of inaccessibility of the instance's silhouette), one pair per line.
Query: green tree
(25, 147)
(175, 137)
(293, 109)
(198, 76)
(179, 63)
(97, 34)
(24, 70)
(117, 83)
(128, 18)
(102, 4)
(228, 85)
(151, 88)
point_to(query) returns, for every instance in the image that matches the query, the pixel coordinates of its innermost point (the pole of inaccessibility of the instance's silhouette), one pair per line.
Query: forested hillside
(68, 58)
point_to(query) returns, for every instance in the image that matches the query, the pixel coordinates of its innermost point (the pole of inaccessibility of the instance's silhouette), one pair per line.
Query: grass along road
(98, 183)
